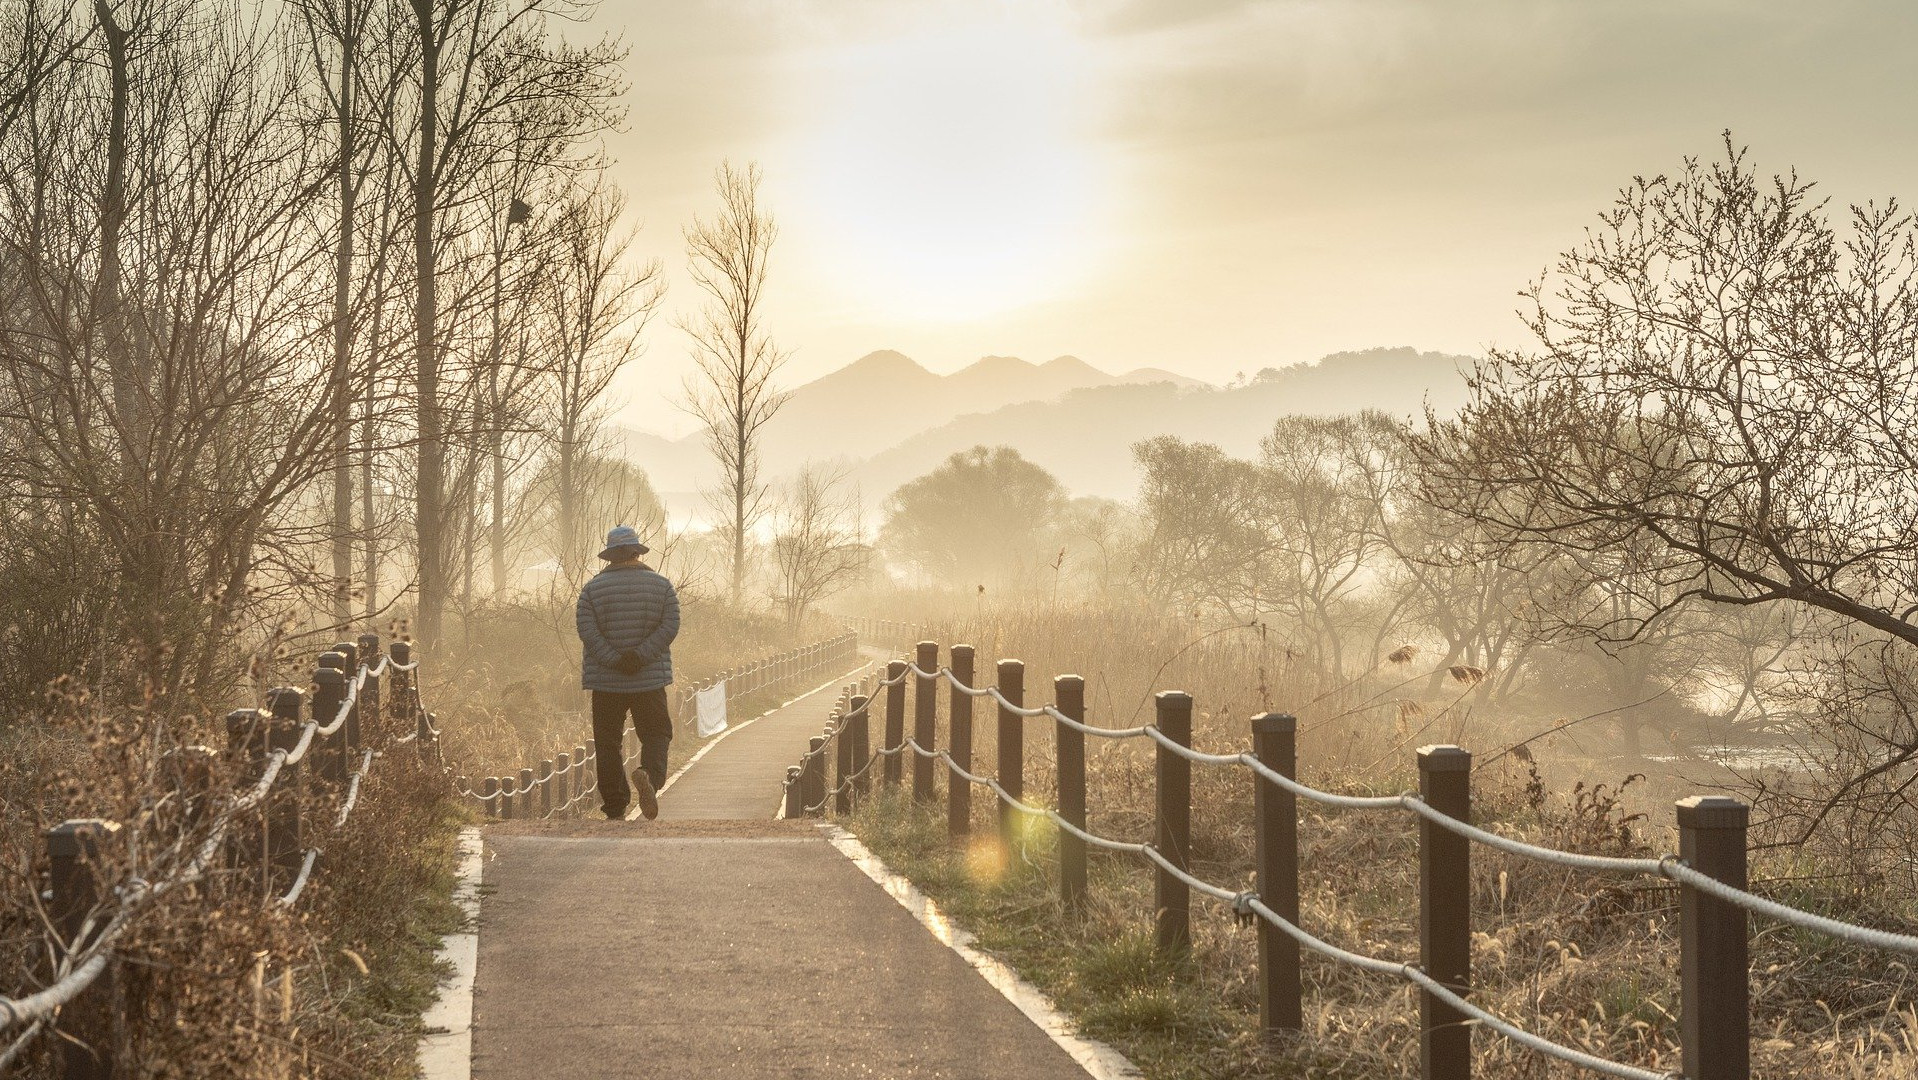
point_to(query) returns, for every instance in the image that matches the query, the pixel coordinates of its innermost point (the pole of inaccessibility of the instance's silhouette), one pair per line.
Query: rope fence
(300, 741)
(1715, 904)
(564, 783)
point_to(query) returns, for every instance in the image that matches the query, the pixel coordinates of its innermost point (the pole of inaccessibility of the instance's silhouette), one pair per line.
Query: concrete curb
(446, 1049)
(1101, 1062)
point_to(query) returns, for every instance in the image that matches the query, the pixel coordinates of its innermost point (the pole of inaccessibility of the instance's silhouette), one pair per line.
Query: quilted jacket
(629, 608)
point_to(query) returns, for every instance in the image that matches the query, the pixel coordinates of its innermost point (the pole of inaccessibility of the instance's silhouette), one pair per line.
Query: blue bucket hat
(622, 537)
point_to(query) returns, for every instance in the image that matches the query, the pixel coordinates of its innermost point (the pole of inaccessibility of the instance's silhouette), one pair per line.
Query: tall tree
(982, 518)
(817, 547)
(733, 395)
(599, 302)
(490, 83)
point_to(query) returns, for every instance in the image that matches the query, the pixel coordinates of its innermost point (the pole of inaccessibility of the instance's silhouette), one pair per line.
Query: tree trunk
(429, 495)
(496, 440)
(568, 554)
(342, 539)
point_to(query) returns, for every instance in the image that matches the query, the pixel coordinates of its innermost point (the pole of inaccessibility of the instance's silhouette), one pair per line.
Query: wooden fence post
(370, 693)
(1069, 692)
(959, 746)
(489, 787)
(1010, 744)
(526, 800)
(281, 854)
(350, 736)
(813, 779)
(75, 849)
(842, 760)
(795, 792)
(508, 805)
(401, 652)
(1714, 964)
(1276, 810)
(245, 734)
(861, 744)
(1445, 912)
(895, 720)
(329, 695)
(564, 780)
(591, 757)
(924, 718)
(1173, 836)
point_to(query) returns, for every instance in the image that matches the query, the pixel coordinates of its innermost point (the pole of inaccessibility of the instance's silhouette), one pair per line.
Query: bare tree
(489, 82)
(1207, 520)
(599, 304)
(1717, 411)
(818, 550)
(157, 338)
(1724, 388)
(733, 395)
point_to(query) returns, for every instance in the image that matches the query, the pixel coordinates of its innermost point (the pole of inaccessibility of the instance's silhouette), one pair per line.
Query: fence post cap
(1712, 812)
(1444, 757)
(895, 668)
(332, 658)
(1275, 723)
(70, 835)
(1057, 679)
(402, 651)
(348, 649)
(1172, 698)
(1011, 663)
(327, 675)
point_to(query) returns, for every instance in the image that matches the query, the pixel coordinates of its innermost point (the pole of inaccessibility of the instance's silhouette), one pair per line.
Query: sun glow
(955, 170)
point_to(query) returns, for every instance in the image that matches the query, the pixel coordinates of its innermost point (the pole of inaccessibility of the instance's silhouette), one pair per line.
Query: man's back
(627, 608)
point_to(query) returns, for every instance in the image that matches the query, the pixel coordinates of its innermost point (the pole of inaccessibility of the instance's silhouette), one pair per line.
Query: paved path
(739, 777)
(697, 946)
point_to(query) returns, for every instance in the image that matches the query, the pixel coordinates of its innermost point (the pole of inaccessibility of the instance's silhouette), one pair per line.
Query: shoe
(643, 792)
(615, 815)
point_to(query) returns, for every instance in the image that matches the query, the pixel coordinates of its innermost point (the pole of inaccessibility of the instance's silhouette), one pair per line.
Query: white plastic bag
(710, 704)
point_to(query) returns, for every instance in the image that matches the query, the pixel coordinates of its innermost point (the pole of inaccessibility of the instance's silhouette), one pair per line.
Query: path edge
(446, 1046)
(632, 813)
(1099, 1060)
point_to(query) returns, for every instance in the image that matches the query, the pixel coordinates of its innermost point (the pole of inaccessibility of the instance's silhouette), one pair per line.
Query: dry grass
(213, 979)
(1587, 961)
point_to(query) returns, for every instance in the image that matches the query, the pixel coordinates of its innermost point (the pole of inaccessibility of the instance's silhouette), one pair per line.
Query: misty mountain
(877, 402)
(887, 419)
(1085, 437)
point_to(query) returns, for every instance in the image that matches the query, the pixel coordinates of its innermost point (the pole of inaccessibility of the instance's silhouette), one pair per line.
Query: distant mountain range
(886, 420)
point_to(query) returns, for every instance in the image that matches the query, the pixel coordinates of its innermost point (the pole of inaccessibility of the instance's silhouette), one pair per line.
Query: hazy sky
(1210, 186)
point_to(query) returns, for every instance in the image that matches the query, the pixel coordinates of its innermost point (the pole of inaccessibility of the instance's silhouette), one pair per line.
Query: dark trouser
(655, 728)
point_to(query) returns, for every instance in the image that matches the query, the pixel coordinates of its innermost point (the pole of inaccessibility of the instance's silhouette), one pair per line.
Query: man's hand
(629, 663)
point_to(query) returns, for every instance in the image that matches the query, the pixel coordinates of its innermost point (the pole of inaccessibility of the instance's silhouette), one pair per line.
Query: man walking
(628, 615)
